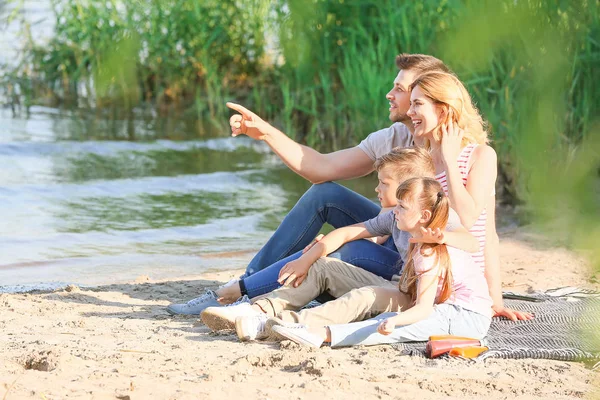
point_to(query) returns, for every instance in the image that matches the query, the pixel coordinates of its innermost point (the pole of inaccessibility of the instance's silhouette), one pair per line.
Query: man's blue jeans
(323, 203)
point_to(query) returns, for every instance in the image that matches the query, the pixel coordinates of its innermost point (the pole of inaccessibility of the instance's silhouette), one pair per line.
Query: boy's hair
(407, 162)
(421, 63)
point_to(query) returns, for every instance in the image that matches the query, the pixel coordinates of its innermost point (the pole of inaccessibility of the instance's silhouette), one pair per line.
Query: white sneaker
(273, 336)
(219, 318)
(252, 327)
(299, 334)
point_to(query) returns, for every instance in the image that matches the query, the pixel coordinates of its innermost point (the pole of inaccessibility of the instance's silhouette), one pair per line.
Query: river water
(90, 201)
(93, 200)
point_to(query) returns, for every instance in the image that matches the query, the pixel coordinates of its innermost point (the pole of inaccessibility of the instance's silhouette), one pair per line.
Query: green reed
(531, 67)
(321, 71)
(107, 53)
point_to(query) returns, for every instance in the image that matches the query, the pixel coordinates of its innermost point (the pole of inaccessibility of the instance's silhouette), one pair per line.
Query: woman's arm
(460, 238)
(468, 201)
(492, 269)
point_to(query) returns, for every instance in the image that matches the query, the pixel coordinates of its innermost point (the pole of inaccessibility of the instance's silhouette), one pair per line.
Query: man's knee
(324, 187)
(322, 192)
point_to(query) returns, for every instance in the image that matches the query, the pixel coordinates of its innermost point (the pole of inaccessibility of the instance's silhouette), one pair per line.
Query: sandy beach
(117, 342)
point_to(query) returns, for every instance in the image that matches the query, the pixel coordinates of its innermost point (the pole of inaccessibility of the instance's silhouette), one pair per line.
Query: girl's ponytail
(429, 195)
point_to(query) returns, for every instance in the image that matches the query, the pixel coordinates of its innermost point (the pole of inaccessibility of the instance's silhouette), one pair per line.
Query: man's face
(399, 96)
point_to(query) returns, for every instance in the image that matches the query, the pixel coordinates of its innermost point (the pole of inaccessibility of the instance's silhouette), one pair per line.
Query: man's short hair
(407, 162)
(421, 63)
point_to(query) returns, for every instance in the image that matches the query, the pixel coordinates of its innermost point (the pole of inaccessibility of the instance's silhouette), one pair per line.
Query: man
(332, 203)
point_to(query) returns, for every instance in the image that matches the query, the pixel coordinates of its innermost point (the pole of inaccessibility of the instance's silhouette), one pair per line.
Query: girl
(441, 290)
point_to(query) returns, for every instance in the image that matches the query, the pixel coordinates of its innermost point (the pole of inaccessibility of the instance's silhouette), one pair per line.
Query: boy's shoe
(251, 327)
(223, 317)
(271, 334)
(299, 334)
(195, 306)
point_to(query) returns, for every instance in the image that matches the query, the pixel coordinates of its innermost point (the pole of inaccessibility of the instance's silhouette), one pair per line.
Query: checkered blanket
(566, 327)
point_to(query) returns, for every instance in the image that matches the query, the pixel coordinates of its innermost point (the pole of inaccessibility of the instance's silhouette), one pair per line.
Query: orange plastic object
(449, 337)
(467, 352)
(436, 348)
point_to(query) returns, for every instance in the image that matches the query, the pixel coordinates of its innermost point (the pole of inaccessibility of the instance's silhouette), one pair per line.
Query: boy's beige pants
(360, 295)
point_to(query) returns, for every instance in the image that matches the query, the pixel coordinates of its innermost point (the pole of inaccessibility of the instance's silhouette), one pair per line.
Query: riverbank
(117, 341)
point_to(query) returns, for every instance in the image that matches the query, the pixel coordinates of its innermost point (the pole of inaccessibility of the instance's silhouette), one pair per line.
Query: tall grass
(114, 53)
(532, 66)
(326, 69)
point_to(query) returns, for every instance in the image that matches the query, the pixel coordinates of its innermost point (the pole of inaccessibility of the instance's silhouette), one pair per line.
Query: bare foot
(229, 294)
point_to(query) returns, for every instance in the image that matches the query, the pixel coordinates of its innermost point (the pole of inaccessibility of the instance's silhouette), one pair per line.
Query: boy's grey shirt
(385, 224)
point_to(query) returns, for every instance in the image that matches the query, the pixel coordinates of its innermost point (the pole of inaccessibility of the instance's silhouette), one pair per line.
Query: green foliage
(530, 68)
(320, 69)
(340, 61)
(120, 53)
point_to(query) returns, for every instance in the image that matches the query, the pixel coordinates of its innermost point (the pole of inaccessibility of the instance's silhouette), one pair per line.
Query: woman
(447, 123)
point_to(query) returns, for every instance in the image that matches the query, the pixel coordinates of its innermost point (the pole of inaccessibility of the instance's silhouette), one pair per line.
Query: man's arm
(303, 160)
(317, 167)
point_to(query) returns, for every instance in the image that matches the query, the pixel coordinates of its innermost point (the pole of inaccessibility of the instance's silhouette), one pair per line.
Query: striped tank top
(478, 228)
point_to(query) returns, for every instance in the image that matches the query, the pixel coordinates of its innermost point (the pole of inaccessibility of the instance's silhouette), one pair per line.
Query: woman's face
(423, 112)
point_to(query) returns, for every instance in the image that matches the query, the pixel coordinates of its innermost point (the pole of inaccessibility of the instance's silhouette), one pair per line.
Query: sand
(117, 342)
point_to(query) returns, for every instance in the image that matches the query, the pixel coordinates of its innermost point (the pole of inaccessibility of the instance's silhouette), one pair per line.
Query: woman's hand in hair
(451, 145)
(293, 272)
(429, 235)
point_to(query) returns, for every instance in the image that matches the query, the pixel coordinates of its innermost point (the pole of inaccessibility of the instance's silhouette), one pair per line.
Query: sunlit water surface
(91, 201)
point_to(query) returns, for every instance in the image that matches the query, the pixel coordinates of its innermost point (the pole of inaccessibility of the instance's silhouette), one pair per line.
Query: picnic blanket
(566, 327)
